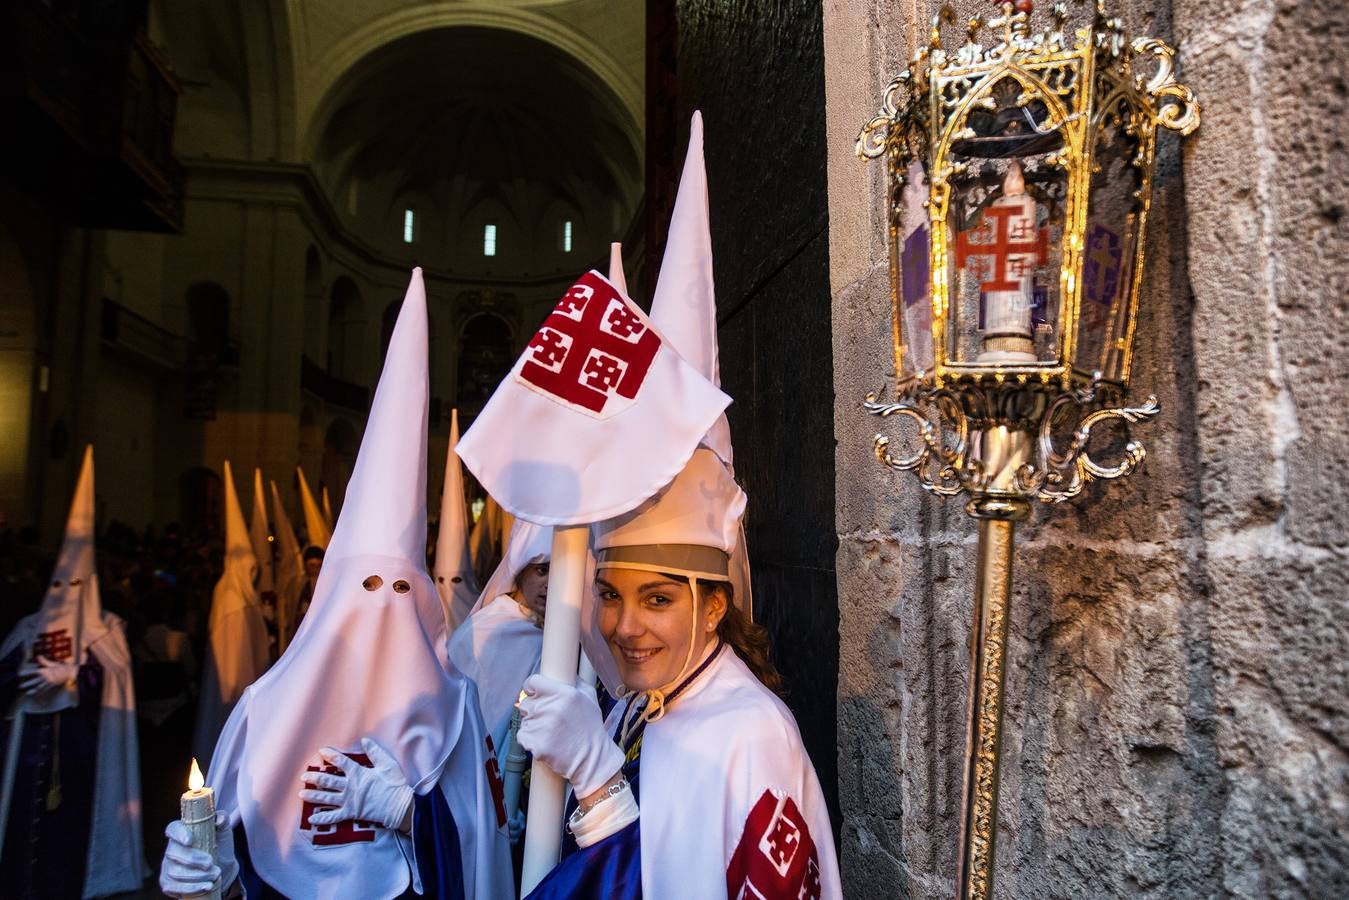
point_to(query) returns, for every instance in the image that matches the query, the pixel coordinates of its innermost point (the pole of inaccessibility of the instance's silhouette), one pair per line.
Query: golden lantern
(1019, 179)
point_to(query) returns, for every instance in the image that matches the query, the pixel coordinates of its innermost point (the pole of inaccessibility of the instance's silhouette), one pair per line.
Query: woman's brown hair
(747, 638)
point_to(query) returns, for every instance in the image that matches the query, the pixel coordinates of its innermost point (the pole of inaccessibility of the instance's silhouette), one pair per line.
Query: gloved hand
(562, 726)
(43, 674)
(515, 826)
(186, 871)
(380, 794)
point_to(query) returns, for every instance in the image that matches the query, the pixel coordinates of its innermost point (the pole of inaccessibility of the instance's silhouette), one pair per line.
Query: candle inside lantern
(197, 812)
(1009, 295)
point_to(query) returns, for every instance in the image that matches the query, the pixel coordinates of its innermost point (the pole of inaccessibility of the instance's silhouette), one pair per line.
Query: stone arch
(318, 100)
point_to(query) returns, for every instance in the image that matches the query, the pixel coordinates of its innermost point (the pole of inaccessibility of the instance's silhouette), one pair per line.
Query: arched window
(199, 501)
(346, 321)
(208, 316)
(339, 455)
(486, 354)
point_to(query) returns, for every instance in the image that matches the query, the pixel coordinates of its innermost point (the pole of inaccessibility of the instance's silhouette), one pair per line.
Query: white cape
(116, 858)
(727, 787)
(497, 647)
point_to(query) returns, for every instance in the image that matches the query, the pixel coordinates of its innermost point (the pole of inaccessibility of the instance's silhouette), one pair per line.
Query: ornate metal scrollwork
(949, 468)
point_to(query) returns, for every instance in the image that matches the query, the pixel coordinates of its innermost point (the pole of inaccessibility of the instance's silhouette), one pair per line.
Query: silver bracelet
(609, 793)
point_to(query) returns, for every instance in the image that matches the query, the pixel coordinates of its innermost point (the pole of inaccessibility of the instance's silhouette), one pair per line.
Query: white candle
(197, 812)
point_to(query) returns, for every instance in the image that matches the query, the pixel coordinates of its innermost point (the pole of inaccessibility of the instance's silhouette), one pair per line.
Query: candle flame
(194, 779)
(520, 699)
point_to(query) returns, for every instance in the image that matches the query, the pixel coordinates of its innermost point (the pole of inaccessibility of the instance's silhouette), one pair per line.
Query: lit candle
(197, 812)
(1009, 294)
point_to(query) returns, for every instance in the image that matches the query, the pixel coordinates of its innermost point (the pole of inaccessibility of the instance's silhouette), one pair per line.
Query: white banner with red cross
(598, 414)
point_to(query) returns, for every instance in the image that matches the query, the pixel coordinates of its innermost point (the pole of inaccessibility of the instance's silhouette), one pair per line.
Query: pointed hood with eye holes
(367, 661)
(71, 616)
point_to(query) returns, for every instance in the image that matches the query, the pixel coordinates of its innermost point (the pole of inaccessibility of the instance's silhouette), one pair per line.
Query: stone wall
(1177, 688)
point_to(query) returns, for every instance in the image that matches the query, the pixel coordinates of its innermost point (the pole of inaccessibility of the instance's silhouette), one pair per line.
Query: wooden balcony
(89, 105)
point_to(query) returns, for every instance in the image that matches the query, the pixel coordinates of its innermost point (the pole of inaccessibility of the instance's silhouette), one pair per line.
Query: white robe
(116, 857)
(236, 656)
(466, 785)
(497, 647)
(725, 783)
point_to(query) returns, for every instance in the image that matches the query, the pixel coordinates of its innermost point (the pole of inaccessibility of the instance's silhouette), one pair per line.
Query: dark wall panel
(755, 69)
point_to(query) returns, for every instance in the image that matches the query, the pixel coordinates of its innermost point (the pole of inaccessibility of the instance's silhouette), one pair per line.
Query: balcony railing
(331, 389)
(131, 333)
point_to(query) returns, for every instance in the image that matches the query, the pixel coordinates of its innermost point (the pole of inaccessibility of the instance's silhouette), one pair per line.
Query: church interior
(208, 214)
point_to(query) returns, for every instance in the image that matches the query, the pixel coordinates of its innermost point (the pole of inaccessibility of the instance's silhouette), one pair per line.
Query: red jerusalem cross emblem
(776, 856)
(350, 831)
(593, 351)
(54, 645)
(1003, 247)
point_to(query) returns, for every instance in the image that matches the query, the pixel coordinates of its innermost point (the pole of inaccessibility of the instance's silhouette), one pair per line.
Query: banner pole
(561, 647)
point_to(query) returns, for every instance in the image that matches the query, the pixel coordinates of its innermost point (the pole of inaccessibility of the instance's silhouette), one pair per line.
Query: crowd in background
(159, 582)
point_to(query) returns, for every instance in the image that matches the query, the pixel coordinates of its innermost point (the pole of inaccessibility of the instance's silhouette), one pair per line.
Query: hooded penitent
(368, 661)
(454, 567)
(327, 509)
(260, 534)
(499, 644)
(76, 777)
(70, 619)
(238, 650)
(315, 525)
(488, 538)
(289, 573)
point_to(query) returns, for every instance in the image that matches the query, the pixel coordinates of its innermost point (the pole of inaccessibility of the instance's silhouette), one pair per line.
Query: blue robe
(47, 836)
(435, 843)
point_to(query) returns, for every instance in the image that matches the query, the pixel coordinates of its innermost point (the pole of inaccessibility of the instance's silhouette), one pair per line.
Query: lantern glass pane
(1005, 236)
(910, 256)
(1109, 246)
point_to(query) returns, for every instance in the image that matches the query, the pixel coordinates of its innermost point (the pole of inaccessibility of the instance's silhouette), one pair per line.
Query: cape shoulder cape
(116, 859)
(730, 803)
(497, 647)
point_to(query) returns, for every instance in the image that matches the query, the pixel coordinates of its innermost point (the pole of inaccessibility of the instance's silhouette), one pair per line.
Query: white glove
(515, 825)
(561, 725)
(44, 674)
(380, 794)
(185, 871)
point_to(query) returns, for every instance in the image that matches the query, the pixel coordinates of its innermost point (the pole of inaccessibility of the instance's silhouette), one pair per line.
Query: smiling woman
(698, 735)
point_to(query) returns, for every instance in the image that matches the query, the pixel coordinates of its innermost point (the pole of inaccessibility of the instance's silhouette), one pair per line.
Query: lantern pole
(988, 676)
